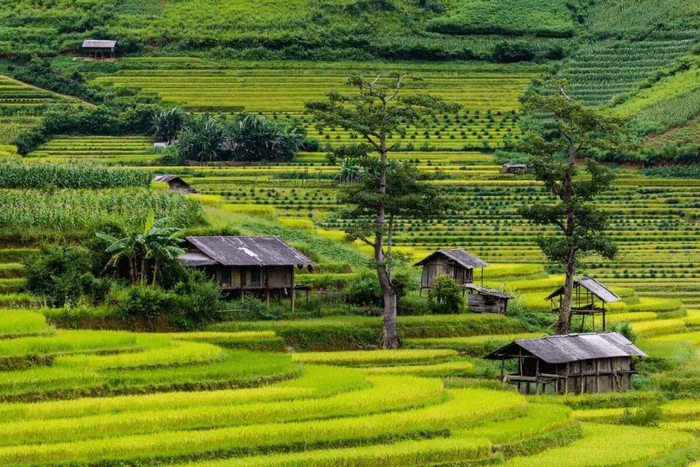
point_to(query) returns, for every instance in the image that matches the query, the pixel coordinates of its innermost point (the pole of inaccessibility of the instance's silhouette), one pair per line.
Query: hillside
(113, 354)
(354, 29)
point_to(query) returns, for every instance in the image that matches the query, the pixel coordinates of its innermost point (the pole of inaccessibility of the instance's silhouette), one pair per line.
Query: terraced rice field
(103, 149)
(489, 97)
(21, 106)
(612, 67)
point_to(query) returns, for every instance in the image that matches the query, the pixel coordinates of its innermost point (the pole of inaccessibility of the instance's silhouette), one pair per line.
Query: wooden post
(597, 376)
(294, 297)
(503, 364)
(566, 381)
(581, 376)
(267, 286)
(537, 376)
(603, 316)
(593, 318)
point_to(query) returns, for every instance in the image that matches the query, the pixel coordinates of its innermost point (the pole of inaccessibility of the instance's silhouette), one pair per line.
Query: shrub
(364, 291)
(56, 273)
(445, 297)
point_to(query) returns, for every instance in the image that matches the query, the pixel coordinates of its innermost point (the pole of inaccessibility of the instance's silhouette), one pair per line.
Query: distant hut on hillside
(102, 47)
(459, 265)
(513, 167)
(578, 363)
(586, 290)
(262, 266)
(175, 183)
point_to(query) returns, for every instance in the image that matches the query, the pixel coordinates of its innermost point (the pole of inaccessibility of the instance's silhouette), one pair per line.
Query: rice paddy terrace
(22, 105)
(203, 399)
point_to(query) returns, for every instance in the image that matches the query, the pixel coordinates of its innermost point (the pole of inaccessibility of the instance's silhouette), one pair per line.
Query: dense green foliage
(445, 296)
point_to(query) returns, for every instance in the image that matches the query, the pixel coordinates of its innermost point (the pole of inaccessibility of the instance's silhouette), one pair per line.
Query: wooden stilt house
(574, 363)
(94, 47)
(261, 266)
(459, 265)
(584, 303)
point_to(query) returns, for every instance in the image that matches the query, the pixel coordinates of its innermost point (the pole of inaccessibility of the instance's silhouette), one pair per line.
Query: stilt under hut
(589, 298)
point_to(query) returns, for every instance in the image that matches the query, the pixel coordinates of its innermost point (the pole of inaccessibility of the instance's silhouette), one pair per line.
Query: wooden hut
(574, 363)
(101, 47)
(457, 264)
(584, 303)
(175, 183)
(262, 266)
(485, 300)
(513, 168)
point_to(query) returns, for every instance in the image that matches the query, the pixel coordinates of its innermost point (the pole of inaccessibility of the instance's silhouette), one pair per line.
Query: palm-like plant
(166, 124)
(156, 242)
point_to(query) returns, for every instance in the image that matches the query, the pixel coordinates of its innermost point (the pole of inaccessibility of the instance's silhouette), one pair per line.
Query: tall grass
(74, 175)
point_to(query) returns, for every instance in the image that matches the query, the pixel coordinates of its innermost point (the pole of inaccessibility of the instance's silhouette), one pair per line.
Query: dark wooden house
(457, 264)
(574, 363)
(262, 266)
(513, 168)
(175, 183)
(460, 265)
(92, 47)
(584, 303)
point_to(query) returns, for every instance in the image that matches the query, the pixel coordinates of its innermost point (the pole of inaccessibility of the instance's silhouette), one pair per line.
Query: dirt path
(64, 96)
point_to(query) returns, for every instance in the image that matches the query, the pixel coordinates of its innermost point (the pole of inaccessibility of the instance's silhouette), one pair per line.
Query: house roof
(487, 291)
(196, 259)
(460, 256)
(571, 348)
(98, 44)
(243, 251)
(593, 286)
(514, 165)
(165, 178)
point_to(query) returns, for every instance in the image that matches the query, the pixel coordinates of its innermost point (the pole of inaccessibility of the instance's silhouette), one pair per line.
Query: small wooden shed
(514, 167)
(457, 264)
(573, 363)
(175, 183)
(262, 266)
(586, 291)
(485, 300)
(101, 47)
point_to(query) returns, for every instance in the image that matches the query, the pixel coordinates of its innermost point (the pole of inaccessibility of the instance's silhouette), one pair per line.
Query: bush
(364, 291)
(412, 305)
(445, 297)
(56, 274)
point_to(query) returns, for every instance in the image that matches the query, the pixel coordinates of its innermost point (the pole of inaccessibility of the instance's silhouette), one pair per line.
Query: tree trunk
(390, 339)
(564, 321)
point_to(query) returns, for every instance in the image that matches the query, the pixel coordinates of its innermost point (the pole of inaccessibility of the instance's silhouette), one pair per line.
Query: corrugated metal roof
(165, 178)
(593, 286)
(460, 256)
(98, 44)
(487, 291)
(196, 259)
(572, 347)
(249, 251)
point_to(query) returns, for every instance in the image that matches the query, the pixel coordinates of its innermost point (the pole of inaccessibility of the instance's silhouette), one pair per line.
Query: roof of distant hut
(167, 178)
(243, 251)
(98, 44)
(593, 286)
(460, 256)
(487, 291)
(571, 348)
(514, 165)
